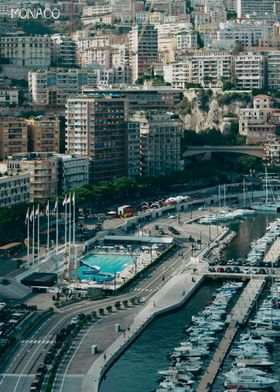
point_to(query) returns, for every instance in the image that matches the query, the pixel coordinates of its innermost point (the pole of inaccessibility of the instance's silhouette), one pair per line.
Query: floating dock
(238, 316)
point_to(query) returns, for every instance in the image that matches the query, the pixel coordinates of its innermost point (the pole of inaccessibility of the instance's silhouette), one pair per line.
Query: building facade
(26, 51)
(14, 189)
(42, 170)
(160, 143)
(13, 137)
(143, 50)
(133, 149)
(43, 134)
(96, 127)
(52, 87)
(254, 7)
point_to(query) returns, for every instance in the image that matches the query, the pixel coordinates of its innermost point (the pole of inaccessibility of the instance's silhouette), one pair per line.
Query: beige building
(8, 96)
(249, 70)
(43, 134)
(13, 137)
(261, 122)
(42, 170)
(160, 143)
(26, 51)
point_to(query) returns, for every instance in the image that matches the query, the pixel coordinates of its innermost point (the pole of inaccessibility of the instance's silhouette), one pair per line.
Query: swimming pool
(110, 264)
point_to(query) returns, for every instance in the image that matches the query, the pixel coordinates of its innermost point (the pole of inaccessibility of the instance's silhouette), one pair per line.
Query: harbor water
(136, 370)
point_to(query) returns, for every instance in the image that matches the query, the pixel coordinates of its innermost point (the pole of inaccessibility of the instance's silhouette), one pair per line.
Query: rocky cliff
(205, 109)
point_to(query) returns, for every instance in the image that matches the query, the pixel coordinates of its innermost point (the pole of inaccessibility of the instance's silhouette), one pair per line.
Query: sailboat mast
(244, 190)
(266, 186)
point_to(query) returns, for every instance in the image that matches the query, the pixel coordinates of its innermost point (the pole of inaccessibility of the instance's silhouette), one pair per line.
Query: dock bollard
(94, 349)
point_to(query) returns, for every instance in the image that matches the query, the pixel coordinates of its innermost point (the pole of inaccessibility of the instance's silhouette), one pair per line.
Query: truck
(125, 211)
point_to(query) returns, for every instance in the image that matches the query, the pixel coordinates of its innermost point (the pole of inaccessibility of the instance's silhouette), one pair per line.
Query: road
(20, 370)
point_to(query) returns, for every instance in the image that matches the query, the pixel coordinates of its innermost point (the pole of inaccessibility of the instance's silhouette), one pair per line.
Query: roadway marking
(31, 341)
(16, 375)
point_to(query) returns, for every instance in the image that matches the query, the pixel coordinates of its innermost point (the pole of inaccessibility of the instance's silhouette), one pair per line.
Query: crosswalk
(32, 341)
(147, 290)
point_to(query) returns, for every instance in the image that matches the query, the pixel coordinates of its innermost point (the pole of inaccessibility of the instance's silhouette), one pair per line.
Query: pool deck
(172, 295)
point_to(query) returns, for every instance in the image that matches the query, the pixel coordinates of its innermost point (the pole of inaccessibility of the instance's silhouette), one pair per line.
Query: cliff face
(214, 114)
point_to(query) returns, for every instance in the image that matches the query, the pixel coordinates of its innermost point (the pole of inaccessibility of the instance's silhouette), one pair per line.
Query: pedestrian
(154, 304)
(104, 356)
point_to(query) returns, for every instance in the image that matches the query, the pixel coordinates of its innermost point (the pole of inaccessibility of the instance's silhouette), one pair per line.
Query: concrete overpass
(256, 151)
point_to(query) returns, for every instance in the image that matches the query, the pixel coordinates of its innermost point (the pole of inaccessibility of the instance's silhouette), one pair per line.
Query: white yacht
(247, 361)
(269, 332)
(249, 381)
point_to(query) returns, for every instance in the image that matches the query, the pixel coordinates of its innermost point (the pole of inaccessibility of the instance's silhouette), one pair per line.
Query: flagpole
(70, 214)
(74, 218)
(28, 234)
(65, 225)
(57, 225)
(38, 233)
(33, 238)
(48, 235)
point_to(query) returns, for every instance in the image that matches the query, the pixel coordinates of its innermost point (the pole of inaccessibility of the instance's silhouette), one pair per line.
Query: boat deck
(238, 316)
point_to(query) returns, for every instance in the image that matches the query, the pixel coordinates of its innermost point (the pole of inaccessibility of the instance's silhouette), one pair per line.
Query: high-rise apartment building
(14, 189)
(64, 51)
(26, 51)
(43, 134)
(52, 87)
(143, 49)
(254, 7)
(13, 137)
(96, 127)
(160, 142)
(43, 173)
(273, 69)
(249, 71)
(50, 173)
(133, 149)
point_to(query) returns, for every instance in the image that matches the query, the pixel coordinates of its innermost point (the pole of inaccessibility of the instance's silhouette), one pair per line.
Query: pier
(273, 253)
(238, 316)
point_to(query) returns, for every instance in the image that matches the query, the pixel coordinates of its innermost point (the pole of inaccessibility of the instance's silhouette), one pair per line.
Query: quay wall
(94, 377)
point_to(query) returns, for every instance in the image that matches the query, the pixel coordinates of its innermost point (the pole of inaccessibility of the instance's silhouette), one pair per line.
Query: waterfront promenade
(238, 316)
(85, 370)
(173, 294)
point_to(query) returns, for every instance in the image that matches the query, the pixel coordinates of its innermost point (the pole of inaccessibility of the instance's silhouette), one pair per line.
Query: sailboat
(267, 206)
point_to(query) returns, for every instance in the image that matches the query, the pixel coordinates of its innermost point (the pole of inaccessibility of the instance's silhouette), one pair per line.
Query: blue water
(110, 264)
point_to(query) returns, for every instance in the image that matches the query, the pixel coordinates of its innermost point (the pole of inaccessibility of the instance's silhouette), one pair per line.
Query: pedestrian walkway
(273, 253)
(238, 316)
(173, 294)
(246, 301)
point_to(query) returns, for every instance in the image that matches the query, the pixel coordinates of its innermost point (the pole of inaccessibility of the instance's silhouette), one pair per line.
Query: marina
(238, 316)
(235, 320)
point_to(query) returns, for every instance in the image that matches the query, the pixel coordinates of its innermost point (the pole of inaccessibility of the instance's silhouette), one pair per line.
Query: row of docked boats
(188, 359)
(226, 215)
(252, 354)
(261, 246)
